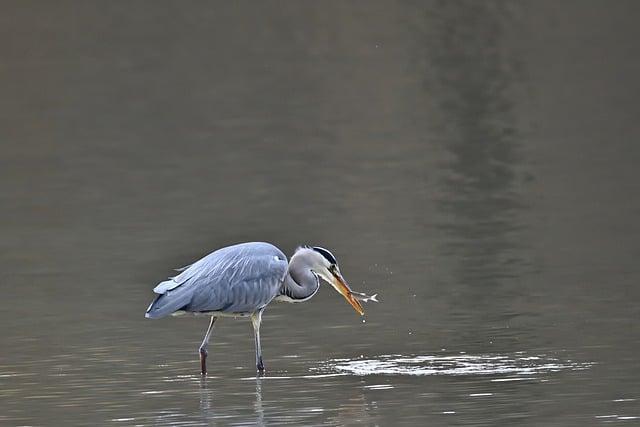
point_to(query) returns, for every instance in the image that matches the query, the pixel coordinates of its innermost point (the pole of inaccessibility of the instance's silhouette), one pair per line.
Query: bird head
(325, 266)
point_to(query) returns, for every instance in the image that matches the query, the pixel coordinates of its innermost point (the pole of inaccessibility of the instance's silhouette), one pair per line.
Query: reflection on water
(472, 78)
(298, 408)
(257, 407)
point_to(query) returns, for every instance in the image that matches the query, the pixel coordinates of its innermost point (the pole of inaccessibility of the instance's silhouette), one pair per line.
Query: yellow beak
(340, 285)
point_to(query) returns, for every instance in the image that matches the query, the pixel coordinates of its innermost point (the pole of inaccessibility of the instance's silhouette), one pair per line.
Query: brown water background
(474, 163)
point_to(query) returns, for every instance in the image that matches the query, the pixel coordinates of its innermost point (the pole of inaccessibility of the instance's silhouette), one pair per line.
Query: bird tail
(168, 302)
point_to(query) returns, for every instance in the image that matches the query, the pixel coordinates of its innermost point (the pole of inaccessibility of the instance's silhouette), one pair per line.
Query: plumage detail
(237, 279)
(165, 286)
(325, 253)
(287, 293)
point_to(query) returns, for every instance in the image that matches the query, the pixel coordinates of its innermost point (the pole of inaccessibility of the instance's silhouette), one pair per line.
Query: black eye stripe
(325, 253)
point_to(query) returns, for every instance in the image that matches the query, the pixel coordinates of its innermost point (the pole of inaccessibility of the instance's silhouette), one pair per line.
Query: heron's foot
(203, 360)
(260, 366)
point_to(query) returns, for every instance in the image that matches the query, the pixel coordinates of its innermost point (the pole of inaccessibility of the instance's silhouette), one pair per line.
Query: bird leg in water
(203, 347)
(256, 319)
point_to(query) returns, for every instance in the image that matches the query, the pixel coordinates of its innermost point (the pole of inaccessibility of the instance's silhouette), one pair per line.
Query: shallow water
(473, 163)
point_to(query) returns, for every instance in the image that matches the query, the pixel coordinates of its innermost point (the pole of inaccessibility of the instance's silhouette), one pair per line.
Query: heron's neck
(300, 283)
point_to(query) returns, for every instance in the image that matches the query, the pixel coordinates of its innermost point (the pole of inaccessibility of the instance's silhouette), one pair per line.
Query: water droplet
(364, 321)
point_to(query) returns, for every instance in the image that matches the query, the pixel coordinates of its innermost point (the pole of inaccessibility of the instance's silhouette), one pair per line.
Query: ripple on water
(518, 364)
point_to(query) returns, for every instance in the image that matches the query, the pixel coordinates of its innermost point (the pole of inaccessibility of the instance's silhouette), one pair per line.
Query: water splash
(518, 364)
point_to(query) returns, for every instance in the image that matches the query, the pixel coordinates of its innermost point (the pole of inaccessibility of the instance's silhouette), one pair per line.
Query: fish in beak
(340, 285)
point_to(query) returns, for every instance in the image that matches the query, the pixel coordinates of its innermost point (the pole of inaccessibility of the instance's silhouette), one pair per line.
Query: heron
(242, 279)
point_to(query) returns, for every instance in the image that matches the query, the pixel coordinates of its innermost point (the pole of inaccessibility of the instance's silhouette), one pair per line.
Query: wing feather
(235, 279)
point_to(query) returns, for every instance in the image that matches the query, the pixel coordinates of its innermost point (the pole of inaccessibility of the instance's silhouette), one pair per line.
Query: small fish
(364, 297)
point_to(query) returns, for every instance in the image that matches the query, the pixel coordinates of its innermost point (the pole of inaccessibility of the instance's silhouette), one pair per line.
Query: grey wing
(237, 279)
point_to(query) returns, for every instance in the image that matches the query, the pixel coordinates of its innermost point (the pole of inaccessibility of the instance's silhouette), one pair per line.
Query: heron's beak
(340, 285)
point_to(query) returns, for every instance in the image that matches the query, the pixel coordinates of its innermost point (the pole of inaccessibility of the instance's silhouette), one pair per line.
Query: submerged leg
(256, 319)
(203, 346)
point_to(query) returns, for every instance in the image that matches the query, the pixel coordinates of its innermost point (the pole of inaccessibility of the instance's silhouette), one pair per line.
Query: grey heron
(241, 280)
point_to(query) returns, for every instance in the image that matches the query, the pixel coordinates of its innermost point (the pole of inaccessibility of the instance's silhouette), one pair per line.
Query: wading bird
(241, 280)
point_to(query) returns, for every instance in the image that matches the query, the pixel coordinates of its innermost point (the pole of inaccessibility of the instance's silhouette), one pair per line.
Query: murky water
(474, 163)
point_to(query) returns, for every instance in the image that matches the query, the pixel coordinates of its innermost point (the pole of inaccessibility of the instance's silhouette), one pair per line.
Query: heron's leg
(203, 346)
(256, 319)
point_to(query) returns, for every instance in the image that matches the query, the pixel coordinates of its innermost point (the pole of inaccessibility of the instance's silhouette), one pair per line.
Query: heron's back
(235, 279)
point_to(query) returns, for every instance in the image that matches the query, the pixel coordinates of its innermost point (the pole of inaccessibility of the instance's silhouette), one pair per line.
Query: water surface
(474, 163)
